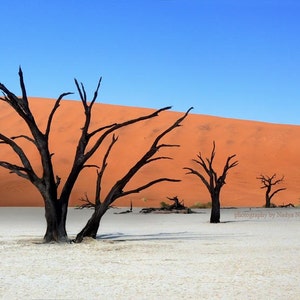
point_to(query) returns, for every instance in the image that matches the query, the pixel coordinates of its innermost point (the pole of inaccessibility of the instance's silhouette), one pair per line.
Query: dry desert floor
(252, 254)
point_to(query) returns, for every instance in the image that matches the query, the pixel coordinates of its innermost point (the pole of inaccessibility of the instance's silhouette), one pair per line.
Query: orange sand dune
(261, 148)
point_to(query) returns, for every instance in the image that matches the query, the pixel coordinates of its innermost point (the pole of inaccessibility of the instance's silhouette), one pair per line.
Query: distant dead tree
(267, 183)
(56, 204)
(212, 181)
(177, 204)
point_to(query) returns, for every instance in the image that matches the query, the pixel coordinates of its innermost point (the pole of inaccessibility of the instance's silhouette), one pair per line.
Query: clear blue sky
(234, 58)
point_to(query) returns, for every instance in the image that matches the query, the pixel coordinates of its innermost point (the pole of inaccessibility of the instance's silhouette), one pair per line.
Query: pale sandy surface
(253, 254)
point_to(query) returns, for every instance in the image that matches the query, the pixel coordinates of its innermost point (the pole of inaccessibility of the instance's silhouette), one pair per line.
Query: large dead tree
(267, 183)
(117, 191)
(211, 180)
(56, 205)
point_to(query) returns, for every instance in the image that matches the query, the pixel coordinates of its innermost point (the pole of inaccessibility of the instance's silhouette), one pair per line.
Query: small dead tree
(267, 183)
(177, 204)
(56, 205)
(213, 183)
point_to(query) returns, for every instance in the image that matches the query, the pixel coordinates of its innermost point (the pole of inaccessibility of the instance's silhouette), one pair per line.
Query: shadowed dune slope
(261, 148)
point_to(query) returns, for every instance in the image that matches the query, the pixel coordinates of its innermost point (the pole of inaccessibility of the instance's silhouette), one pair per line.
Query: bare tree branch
(58, 179)
(20, 171)
(158, 158)
(90, 166)
(113, 127)
(193, 171)
(25, 137)
(143, 187)
(86, 202)
(21, 154)
(83, 96)
(276, 191)
(102, 170)
(55, 107)
(147, 156)
(96, 91)
(24, 99)
(228, 166)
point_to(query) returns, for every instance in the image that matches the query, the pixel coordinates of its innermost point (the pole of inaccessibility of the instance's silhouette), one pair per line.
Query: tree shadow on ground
(163, 236)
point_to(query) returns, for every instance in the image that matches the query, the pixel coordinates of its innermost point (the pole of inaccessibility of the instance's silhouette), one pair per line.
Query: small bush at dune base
(201, 205)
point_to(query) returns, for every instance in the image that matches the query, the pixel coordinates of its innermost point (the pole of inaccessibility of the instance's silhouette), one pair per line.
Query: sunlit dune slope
(260, 148)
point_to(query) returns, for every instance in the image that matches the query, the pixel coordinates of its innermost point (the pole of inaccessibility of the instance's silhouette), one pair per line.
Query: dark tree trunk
(92, 226)
(52, 226)
(215, 208)
(268, 198)
(268, 202)
(62, 219)
(56, 222)
(62, 211)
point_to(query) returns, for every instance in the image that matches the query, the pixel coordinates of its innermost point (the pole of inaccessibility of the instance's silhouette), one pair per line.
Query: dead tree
(56, 205)
(213, 183)
(177, 204)
(268, 183)
(117, 190)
